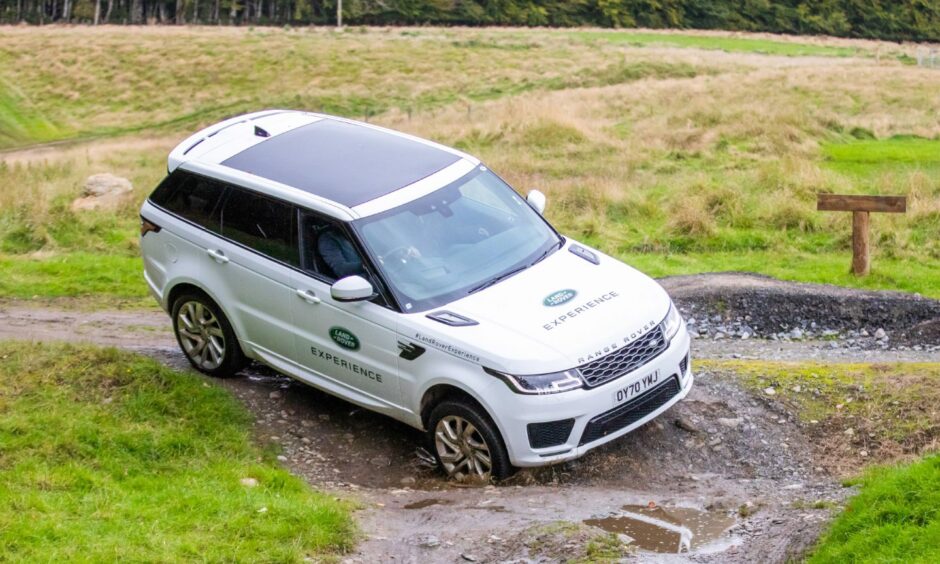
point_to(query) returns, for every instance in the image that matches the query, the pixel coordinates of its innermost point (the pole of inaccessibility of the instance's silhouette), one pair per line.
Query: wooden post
(861, 257)
(861, 206)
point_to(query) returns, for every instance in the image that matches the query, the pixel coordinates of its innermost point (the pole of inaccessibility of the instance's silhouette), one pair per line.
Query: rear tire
(205, 336)
(467, 443)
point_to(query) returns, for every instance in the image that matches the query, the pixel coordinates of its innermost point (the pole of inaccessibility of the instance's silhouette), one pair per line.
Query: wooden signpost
(861, 206)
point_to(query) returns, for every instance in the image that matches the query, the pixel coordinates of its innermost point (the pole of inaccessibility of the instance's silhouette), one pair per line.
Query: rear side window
(261, 223)
(191, 197)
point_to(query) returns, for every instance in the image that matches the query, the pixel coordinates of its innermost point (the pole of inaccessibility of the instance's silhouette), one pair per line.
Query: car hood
(560, 313)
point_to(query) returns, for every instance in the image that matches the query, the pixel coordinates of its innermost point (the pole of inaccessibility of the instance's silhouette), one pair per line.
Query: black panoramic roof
(347, 163)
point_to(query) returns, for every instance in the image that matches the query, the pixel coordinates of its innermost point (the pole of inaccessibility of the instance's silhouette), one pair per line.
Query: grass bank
(894, 518)
(881, 418)
(110, 456)
(857, 413)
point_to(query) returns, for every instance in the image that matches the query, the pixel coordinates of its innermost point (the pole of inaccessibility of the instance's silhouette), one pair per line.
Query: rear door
(190, 227)
(258, 255)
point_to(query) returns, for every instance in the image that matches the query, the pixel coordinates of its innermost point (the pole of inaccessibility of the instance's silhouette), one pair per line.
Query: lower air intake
(549, 434)
(630, 412)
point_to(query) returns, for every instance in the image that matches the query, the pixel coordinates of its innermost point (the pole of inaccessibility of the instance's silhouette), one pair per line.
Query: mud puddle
(673, 530)
(421, 504)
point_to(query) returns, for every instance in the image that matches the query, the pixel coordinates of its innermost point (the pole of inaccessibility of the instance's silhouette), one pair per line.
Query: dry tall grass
(740, 149)
(640, 149)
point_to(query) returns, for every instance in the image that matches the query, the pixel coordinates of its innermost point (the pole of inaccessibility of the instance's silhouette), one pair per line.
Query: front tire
(467, 443)
(205, 336)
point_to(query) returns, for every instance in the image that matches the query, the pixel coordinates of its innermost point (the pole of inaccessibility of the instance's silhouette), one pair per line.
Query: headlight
(672, 322)
(551, 383)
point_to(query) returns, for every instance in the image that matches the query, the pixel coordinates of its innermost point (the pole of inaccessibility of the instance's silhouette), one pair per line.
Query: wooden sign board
(861, 206)
(839, 202)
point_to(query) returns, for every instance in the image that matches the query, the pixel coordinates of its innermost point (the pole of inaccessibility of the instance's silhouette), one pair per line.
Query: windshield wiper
(502, 276)
(506, 275)
(547, 252)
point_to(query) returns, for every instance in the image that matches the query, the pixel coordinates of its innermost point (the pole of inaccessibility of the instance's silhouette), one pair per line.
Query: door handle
(217, 256)
(308, 296)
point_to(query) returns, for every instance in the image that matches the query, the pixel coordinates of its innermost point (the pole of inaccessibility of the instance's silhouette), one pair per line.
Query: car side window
(328, 250)
(261, 223)
(328, 253)
(191, 197)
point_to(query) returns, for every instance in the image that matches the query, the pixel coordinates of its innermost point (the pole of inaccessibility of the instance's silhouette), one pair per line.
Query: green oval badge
(559, 297)
(344, 338)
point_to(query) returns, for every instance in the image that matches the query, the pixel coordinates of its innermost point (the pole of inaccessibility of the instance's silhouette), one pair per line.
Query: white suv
(407, 278)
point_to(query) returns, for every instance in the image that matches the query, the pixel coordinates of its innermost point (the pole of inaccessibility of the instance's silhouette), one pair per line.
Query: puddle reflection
(658, 529)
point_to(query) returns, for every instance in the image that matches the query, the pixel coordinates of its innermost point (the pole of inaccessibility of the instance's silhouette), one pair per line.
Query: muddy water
(669, 530)
(427, 503)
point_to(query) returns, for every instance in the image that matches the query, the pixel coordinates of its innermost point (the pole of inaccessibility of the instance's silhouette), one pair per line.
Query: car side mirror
(536, 199)
(352, 289)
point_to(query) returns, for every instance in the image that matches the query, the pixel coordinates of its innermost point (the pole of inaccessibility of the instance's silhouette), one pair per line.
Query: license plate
(636, 388)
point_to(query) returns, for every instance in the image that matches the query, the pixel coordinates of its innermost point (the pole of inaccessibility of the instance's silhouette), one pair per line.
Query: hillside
(677, 152)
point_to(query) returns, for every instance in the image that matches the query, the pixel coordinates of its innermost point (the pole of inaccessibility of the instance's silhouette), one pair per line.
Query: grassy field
(723, 42)
(678, 152)
(108, 456)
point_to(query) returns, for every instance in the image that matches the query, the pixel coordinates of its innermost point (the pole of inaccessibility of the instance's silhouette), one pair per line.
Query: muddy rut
(725, 472)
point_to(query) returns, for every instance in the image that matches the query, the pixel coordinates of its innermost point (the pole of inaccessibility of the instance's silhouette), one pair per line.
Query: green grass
(898, 149)
(875, 163)
(894, 518)
(576, 543)
(819, 267)
(75, 274)
(18, 124)
(109, 456)
(721, 43)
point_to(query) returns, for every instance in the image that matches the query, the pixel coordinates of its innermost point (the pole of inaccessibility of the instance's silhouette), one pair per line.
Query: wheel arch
(437, 393)
(180, 287)
(443, 392)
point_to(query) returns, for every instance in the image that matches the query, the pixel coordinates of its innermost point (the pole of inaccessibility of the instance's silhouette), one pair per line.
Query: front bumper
(585, 405)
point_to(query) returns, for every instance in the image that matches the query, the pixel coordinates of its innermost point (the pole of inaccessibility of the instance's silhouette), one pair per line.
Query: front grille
(684, 365)
(630, 412)
(549, 434)
(624, 360)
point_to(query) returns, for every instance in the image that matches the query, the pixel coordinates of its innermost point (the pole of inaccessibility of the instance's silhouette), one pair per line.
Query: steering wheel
(397, 257)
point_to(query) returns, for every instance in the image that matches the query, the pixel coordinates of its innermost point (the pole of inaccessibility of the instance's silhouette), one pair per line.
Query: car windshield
(456, 240)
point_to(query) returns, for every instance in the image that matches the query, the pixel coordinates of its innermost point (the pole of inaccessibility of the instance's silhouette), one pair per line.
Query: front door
(350, 348)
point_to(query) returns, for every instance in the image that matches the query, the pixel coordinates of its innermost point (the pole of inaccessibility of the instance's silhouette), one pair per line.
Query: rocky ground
(724, 455)
(745, 306)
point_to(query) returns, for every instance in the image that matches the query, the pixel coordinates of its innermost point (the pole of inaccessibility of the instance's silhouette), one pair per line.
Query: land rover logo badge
(559, 297)
(344, 338)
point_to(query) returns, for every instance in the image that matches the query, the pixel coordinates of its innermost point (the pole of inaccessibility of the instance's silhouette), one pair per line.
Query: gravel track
(722, 450)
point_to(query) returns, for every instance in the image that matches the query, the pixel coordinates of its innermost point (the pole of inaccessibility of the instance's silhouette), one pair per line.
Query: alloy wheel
(462, 449)
(201, 335)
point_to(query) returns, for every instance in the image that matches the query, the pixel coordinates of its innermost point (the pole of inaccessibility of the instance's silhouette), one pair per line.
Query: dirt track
(744, 460)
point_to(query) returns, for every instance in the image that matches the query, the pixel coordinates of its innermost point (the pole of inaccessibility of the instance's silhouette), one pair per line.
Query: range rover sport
(407, 278)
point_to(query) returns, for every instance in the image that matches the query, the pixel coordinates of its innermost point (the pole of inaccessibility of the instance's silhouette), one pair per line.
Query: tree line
(911, 20)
